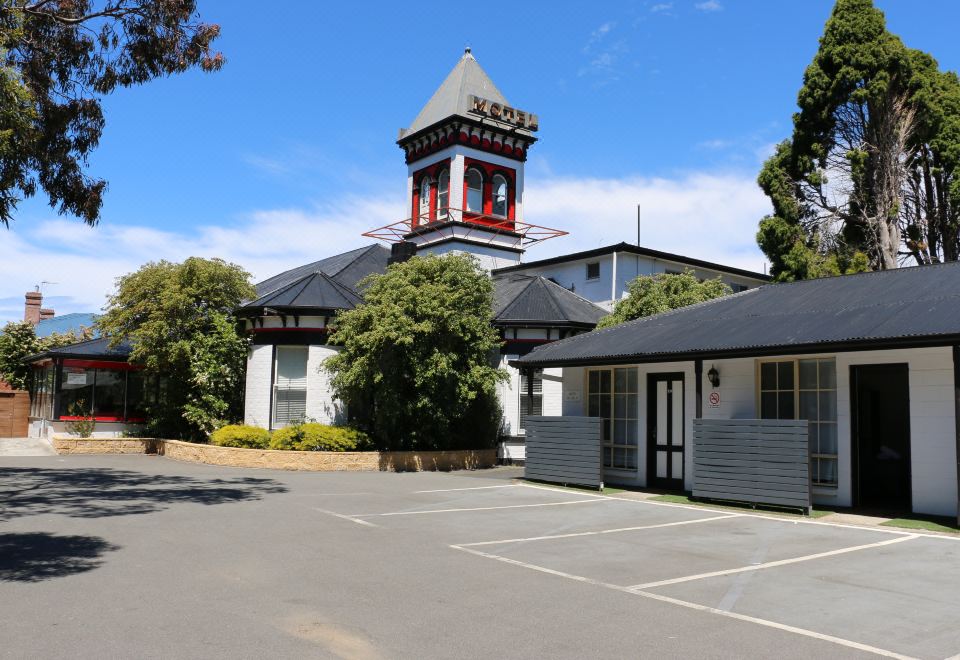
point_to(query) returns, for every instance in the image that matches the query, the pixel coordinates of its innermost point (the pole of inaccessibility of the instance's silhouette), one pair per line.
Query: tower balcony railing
(479, 227)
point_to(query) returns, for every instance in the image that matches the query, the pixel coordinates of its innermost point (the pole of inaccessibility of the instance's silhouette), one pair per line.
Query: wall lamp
(713, 376)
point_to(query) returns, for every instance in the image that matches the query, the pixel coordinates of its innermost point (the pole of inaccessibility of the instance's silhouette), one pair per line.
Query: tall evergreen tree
(869, 177)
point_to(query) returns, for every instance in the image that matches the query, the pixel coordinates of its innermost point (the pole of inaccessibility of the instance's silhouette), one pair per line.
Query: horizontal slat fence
(564, 450)
(761, 461)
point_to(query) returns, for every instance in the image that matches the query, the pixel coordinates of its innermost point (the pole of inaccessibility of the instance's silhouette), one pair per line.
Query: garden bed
(318, 461)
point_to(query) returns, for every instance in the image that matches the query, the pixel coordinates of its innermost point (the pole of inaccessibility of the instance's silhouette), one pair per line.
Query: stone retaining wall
(320, 461)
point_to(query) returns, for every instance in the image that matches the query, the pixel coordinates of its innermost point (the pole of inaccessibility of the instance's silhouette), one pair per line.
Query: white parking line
(451, 490)
(694, 606)
(790, 521)
(478, 508)
(772, 564)
(346, 517)
(597, 533)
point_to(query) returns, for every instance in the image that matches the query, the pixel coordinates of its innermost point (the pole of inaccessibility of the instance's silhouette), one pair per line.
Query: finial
(468, 51)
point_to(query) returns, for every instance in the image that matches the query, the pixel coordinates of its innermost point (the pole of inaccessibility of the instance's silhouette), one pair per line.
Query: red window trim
(102, 364)
(131, 420)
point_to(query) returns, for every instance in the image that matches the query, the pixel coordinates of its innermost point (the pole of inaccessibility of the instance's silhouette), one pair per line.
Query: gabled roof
(314, 290)
(907, 307)
(64, 323)
(451, 98)
(347, 269)
(93, 349)
(529, 299)
(630, 248)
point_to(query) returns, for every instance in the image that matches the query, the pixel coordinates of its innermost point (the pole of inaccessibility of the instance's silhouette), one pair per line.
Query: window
(41, 397)
(425, 198)
(499, 196)
(474, 191)
(76, 391)
(805, 389)
(593, 271)
(290, 385)
(108, 392)
(614, 395)
(443, 193)
(530, 406)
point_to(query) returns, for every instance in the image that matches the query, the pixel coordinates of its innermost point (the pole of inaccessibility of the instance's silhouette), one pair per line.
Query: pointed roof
(533, 299)
(451, 98)
(314, 290)
(347, 269)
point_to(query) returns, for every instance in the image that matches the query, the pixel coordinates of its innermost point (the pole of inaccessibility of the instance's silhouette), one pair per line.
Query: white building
(872, 361)
(465, 154)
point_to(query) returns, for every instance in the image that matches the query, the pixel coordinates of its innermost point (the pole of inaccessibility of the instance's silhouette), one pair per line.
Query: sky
(288, 154)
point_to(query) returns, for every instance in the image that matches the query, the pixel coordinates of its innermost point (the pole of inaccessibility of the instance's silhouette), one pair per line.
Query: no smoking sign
(714, 399)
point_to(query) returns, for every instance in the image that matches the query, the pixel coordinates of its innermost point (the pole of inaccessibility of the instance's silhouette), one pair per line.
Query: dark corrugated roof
(94, 349)
(347, 268)
(903, 307)
(74, 322)
(314, 290)
(632, 249)
(522, 299)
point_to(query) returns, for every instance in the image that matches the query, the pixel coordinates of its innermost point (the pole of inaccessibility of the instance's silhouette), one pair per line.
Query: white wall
(932, 430)
(256, 410)
(489, 258)
(321, 404)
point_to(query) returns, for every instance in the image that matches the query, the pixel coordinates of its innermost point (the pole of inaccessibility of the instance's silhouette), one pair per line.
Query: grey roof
(73, 322)
(887, 309)
(529, 299)
(93, 349)
(313, 290)
(630, 248)
(347, 269)
(452, 96)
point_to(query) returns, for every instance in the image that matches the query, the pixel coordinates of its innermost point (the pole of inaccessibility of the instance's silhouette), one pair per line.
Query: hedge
(319, 437)
(240, 435)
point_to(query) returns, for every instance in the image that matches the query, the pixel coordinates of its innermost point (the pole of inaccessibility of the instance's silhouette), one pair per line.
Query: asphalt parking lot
(140, 556)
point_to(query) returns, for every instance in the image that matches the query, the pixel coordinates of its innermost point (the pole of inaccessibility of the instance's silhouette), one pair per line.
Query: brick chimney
(46, 314)
(31, 308)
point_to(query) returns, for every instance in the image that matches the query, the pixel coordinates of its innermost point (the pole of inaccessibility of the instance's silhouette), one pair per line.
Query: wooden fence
(565, 450)
(14, 413)
(763, 461)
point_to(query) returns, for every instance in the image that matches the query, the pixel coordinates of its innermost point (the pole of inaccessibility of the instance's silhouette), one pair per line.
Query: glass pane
(785, 405)
(619, 406)
(499, 197)
(606, 430)
(828, 374)
(808, 406)
(633, 433)
(594, 381)
(620, 380)
(633, 406)
(828, 406)
(768, 405)
(632, 459)
(108, 394)
(828, 439)
(808, 374)
(828, 471)
(604, 405)
(619, 432)
(785, 375)
(632, 380)
(604, 381)
(291, 366)
(76, 391)
(594, 406)
(289, 405)
(607, 457)
(768, 376)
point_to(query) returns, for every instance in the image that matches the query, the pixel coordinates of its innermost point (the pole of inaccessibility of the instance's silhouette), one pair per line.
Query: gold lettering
(521, 118)
(533, 122)
(479, 104)
(507, 113)
(495, 109)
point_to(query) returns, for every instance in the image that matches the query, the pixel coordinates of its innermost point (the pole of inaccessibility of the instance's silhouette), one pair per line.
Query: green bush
(239, 435)
(319, 437)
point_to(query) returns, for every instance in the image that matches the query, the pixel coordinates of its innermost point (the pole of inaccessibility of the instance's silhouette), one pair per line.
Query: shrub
(319, 437)
(240, 435)
(84, 424)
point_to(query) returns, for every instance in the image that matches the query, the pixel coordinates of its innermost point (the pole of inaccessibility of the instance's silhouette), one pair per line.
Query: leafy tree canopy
(58, 59)
(178, 318)
(869, 178)
(415, 365)
(18, 340)
(654, 294)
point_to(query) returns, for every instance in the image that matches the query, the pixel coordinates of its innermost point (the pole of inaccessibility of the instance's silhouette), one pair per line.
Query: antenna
(40, 286)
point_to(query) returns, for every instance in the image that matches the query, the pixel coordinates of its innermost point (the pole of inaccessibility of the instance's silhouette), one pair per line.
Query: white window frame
(424, 207)
(477, 191)
(498, 181)
(443, 193)
(609, 444)
(299, 385)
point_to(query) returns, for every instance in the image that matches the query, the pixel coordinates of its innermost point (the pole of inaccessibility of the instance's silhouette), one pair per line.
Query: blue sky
(288, 153)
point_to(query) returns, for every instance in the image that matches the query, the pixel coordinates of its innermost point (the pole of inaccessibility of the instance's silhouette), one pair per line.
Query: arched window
(500, 196)
(474, 191)
(443, 193)
(425, 199)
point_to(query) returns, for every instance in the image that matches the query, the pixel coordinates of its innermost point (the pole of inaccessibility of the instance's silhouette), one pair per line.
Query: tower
(465, 153)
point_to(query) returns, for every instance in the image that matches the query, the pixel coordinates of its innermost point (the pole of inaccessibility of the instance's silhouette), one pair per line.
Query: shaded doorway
(665, 432)
(880, 433)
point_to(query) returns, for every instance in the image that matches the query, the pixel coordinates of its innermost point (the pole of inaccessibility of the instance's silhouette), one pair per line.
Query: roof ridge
(361, 250)
(516, 298)
(551, 283)
(340, 287)
(882, 271)
(557, 307)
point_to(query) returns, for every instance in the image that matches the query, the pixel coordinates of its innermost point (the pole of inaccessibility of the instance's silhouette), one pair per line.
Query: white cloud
(709, 5)
(661, 7)
(711, 216)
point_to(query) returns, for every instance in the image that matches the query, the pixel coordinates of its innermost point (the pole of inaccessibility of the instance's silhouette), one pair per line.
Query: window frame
(537, 398)
(275, 422)
(589, 277)
(467, 189)
(608, 426)
(423, 204)
(493, 195)
(443, 193)
(815, 455)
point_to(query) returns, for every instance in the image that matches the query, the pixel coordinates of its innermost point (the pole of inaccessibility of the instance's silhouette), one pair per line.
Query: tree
(18, 341)
(415, 363)
(178, 319)
(655, 294)
(869, 176)
(59, 59)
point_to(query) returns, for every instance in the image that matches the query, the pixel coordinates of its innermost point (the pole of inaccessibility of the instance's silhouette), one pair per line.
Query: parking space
(877, 590)
(245, 563)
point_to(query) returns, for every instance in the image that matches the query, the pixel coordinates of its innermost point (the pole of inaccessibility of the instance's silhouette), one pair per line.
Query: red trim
(74, 418)
(432, 171)
(490, 170)
(102, 364)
